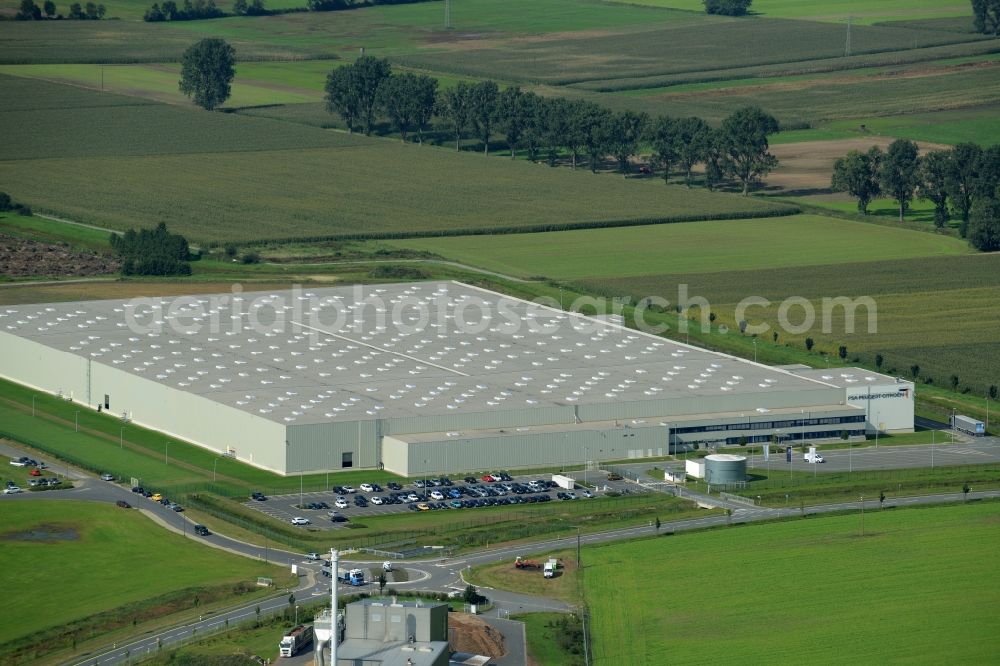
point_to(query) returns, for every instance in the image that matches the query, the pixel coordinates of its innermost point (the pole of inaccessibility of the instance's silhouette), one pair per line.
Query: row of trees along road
(362, 92)
(961, 181)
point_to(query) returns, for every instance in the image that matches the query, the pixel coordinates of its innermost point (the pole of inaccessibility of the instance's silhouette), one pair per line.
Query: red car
(488, 478)
(35, 472)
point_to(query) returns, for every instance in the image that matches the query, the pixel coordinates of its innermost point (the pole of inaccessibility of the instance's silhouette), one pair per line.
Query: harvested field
(804, 168)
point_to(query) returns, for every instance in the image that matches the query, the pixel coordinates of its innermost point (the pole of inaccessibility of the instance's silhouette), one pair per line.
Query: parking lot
(440, 494)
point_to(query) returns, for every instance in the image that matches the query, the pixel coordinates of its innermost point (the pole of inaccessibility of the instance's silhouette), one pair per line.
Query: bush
(251, 258)
(397, 273)
(231, 250)
(5, 201)
(727, 7)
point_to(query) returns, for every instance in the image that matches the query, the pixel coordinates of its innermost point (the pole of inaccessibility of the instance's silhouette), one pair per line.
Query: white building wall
(888, 407)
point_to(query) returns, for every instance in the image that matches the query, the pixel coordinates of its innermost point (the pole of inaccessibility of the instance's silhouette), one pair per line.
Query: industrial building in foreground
(428, 377)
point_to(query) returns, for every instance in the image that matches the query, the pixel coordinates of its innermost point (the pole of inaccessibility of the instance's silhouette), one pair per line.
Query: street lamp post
(215, 464)
(33, 407)
(755, 350)
(878, 426)
(121, 438)
(76, 421)
(166, 453)
(862, 515)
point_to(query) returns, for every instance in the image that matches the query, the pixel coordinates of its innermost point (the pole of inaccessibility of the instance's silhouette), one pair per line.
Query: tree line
(189, 11)
(367, 90)
(29, 11)
(962, 181)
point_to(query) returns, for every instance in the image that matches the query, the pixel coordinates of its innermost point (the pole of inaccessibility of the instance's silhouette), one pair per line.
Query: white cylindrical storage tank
(725, 468)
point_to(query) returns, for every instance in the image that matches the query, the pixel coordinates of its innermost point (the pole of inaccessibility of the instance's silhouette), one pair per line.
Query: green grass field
(98, 566)
(913, 589)
(859, 11)
(705, 247)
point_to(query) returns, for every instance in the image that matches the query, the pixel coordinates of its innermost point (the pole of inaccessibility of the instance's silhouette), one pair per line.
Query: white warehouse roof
(384, 351)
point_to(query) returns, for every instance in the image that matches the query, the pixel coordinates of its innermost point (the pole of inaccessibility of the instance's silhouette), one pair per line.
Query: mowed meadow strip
(914, 589)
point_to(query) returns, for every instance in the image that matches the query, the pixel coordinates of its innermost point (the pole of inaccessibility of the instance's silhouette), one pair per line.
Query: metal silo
(724, 468)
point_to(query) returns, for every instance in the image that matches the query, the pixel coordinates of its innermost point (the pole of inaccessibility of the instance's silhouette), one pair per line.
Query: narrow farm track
(439, 262)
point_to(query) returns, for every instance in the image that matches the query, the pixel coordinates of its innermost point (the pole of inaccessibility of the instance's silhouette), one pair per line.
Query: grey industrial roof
(357, 650)
(383, 351)
(844, 377)
(674, 421)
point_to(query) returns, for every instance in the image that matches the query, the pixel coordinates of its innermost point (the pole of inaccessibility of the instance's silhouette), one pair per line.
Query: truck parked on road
(295, 640)
(963, 423)
(813, 457)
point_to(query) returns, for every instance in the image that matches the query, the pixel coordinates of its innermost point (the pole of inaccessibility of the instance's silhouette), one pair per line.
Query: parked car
(337, 518)
(35, 472)
(392, 485)
(367, 488)
(341, 503)
(349, 489)
(11, 490)
(174, 506)
(258, 496)
(156, 497)
(123, 504)
(423, 506)
(20, 462)
(299, 520)
(107, 477)
(313, 557)
(201, 530)
(437, 494)
(138, 489)
(54, 481)
(377, 501)
(614, 476)
(33, 482)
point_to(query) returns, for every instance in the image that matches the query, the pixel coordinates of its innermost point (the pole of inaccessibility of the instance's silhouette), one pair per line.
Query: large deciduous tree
(858, 175)
(898, 174)
(341, 98)
(986, 16)
(692, 135)
(594, 120)
(745, 146)
(512, 117)
(984, 225)
(933, 177)
(455, 107)
(962, 179)
(663, 137)
(625, 131)
(402, 98)
(366, 75)
(207, 70)
(483, 97)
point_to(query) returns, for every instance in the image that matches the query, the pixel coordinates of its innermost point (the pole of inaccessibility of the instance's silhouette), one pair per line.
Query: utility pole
(862, 515)
(847, 46)
(447, 14)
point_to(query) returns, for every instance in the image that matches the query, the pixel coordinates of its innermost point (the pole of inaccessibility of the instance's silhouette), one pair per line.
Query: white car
(10, 490)
(107, 477)
(18, 463)
(437, 494)
(376, 500)
(349, 489)
(298, 520)
(412, 497)
(367, 488)
(341, 503)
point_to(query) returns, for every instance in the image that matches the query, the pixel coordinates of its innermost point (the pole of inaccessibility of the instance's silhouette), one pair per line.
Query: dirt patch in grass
(805, 168)
(468, 633)
(47, 533)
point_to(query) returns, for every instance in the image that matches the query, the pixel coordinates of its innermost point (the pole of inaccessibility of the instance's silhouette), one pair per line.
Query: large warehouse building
(421, 378)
